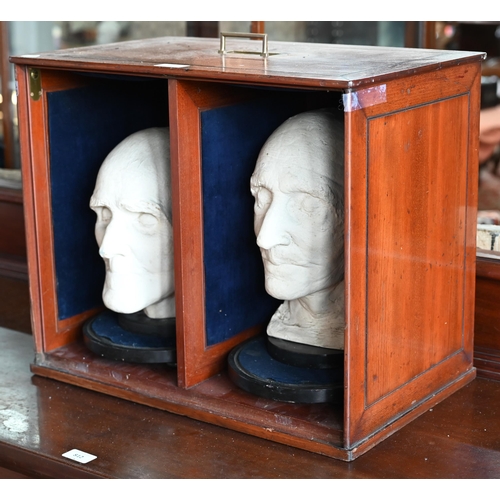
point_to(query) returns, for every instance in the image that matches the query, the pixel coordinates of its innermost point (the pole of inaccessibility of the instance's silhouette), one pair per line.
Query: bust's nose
(273, 225)
(114, 240)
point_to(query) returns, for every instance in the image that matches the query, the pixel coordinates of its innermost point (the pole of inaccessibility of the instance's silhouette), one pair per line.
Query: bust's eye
(106, 214)
(308, 203)
(262, 198)
(147, 220)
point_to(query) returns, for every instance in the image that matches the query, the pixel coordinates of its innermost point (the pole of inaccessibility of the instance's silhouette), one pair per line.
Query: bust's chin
(164, 308)
(129, 304)
(118, 304)
(290, 289)
(320, 324)
(283, 290)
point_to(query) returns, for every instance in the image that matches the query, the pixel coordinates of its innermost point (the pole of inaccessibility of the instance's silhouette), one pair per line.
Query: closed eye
(147, 220)
(263, 198)
(104, 214)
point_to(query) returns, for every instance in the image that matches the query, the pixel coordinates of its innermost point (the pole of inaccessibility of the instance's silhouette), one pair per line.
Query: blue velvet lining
(232, 136)
(85, 124)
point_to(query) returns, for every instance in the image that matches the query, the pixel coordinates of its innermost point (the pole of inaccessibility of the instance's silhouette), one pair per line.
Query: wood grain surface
(291, 64)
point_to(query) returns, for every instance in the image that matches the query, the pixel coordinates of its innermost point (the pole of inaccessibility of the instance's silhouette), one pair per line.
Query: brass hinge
(35, 84)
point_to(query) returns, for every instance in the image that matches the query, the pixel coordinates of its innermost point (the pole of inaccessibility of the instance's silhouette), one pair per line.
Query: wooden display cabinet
(411, 139)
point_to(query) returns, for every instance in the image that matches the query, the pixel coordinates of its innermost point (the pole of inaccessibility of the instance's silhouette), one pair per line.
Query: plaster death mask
(298, 185)
(132, 201)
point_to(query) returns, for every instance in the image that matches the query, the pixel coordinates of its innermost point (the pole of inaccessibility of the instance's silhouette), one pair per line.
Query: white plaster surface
(299, 223)
(132, 200)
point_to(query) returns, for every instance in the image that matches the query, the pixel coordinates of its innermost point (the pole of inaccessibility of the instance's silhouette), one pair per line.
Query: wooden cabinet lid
(290, 63)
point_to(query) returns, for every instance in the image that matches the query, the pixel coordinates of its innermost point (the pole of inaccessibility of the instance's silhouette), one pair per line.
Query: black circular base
(305, 356)
(104, 336)
(140, 323)
(253, 369)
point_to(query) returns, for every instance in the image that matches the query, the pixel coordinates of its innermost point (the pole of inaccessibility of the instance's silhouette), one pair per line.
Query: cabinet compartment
(220, 130)
(84, 125)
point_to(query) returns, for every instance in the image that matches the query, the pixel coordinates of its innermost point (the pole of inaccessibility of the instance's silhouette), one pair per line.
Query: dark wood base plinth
(253, 369)
(306, 356)
(140, 323)
(104, 336)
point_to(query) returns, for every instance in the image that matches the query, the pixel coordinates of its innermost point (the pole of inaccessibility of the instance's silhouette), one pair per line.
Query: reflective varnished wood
(411, 140)
(289, 64)
(40, 419)
(411, 246)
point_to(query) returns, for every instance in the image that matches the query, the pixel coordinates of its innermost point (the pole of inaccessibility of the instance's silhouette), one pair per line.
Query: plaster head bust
(299, 223)
(132, 201)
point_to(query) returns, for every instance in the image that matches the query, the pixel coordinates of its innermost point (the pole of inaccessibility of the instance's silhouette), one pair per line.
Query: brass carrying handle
(262, 36)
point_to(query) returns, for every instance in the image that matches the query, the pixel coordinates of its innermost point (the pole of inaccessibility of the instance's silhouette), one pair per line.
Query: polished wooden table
(40, 419)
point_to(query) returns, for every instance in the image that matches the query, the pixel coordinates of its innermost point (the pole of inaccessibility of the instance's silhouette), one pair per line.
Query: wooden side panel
(416, 242)
(36, 186)
(28, 201)
(411, 244)
(186, 209)
(31, 128)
